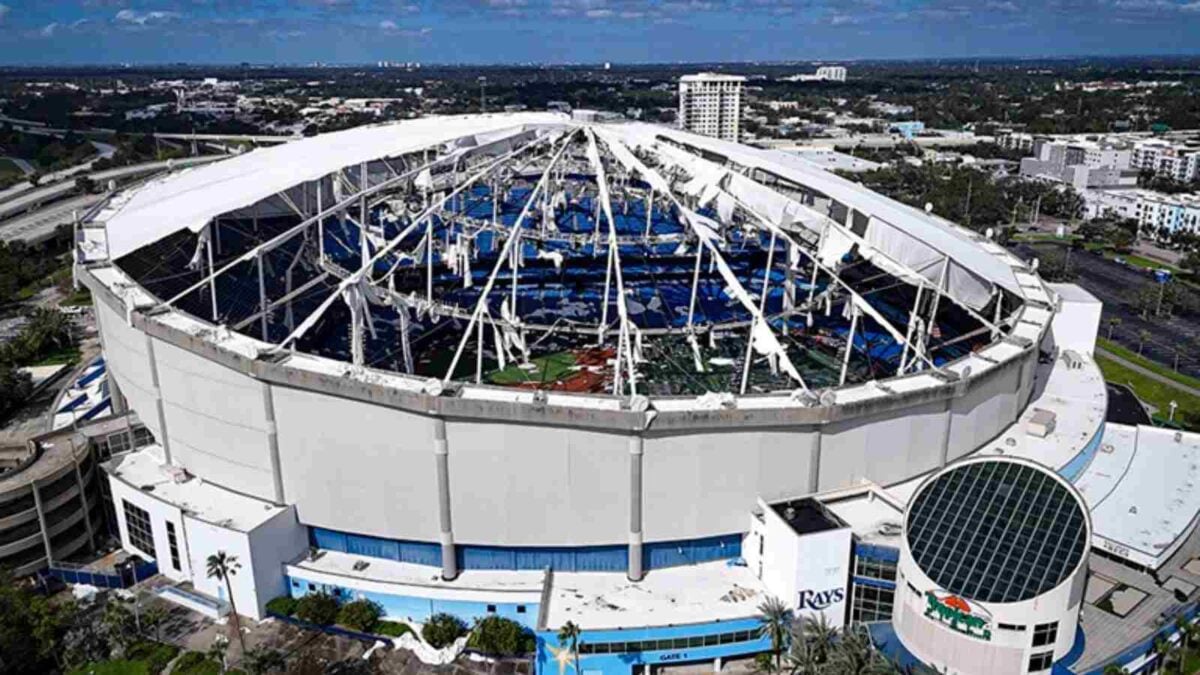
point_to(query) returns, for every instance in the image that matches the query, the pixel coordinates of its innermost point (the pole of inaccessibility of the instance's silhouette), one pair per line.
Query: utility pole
(482, 100)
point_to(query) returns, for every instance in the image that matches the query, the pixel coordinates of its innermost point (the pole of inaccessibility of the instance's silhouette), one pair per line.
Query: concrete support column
(814, 463)
(87, 516)
(273, 442)
(441, 451)
(717, 664)
(41, 514)
(164, 438)
(949, 414)
(119, 405)
(636, 452)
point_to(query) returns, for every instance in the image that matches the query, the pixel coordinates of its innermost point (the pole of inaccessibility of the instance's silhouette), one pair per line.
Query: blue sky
(589, 31)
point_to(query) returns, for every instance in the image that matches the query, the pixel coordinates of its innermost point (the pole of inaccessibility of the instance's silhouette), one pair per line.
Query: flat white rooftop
(147, 471)
(401, 578)
(1143, 491)
(673, 596)
(1079, 401)
(875, 516)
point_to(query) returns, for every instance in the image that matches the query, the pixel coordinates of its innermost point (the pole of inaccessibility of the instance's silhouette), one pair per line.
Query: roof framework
(422, 215)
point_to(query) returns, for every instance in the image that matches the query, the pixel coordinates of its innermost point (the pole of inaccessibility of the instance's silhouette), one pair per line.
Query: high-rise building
(711, 104)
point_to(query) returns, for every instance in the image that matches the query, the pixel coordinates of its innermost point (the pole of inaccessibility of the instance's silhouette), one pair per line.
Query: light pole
(1173, 405)
(482, 84)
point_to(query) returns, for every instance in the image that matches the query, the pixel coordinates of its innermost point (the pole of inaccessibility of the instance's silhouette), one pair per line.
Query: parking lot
(1115, 285)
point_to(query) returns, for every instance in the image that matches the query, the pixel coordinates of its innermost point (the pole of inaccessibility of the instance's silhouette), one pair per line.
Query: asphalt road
(39, 225)
(1114, 285)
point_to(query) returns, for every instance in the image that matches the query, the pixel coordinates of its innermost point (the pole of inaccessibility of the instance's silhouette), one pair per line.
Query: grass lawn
(80, 298)
(113, 668)
(1155, 366)
(144, 658)
(9, 168)
(1151, 391)
(549, 369)
(68, 354)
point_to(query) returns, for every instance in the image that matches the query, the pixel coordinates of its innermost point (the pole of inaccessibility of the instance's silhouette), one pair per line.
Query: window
(875, 569)
(869, 603)
(520, 609)
(137, 521)
(491, 609)
(1011, 626)
(1045, 634)
(663, 645)
(1041, 661)
(173, 543)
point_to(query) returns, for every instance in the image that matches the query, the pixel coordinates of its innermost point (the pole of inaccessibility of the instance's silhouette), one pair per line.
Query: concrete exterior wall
(160, 514)
(128, 363)
(519, 475)
(216, 421)
(331, 447)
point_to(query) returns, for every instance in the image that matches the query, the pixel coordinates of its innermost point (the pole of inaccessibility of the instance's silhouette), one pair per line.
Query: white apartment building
(710, 104)
(1170, 160)
(1154, 211)
(1080, 162)
(832, 73)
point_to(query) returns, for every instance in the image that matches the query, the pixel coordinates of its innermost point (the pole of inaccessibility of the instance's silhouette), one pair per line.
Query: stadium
(498, 363)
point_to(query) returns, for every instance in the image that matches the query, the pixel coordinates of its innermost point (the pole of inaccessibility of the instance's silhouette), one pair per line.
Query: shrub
(499, 636)
(443, 629)
(155, 655)
(285, 605)
(319, 608)
(195, 663)
(392, 628)
(362, 615)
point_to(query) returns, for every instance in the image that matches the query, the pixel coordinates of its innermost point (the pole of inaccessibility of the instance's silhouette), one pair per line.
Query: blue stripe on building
(610, 558)
(618, 651)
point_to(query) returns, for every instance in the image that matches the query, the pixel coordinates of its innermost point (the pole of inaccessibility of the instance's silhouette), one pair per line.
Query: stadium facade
(613, 374)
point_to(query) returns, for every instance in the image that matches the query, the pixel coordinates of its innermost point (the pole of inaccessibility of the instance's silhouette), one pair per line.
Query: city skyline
(586, 31)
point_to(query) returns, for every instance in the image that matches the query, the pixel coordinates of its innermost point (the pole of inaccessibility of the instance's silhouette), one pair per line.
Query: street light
(1173, 405)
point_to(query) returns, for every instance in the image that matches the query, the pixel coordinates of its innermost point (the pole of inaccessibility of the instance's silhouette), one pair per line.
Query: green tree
(500, 636)
(774, 622)
(362, 615)
(222, 567)
(319, 608)
(217, 651)
(442, 629)
(569, 635)
(856, 653)
(262, 660)
(1143, 336)
(31, 629)
(1113, 323)
(153, 619)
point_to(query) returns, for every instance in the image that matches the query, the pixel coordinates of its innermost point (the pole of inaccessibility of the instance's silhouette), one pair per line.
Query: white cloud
(387, 24)
(49, 29)
(4, 11)
(132, 17)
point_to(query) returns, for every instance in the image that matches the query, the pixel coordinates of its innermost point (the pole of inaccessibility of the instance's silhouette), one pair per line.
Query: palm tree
(153, 618)
(221, 566)
(774, 621)
(821, 636)
(1143, 336)
(569, 635)
(1165, 651)
(1113, 322)
(1114, 669)
(856, 654)
(216, 651)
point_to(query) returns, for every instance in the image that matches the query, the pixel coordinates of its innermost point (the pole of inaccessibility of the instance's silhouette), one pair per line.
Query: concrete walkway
(1148, 373)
